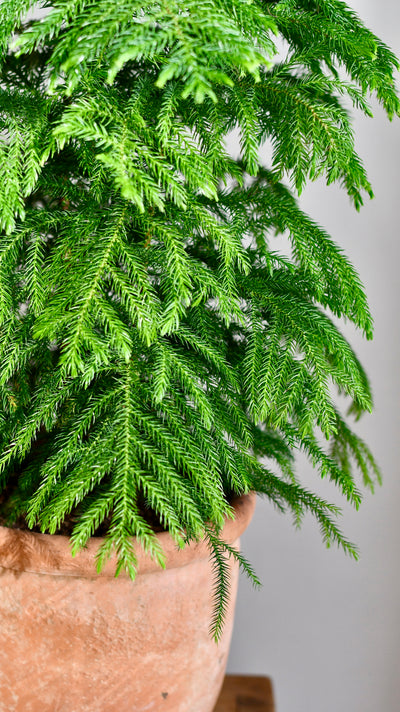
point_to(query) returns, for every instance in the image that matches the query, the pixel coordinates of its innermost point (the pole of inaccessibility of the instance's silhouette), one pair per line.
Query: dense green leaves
(329, 32)
(157, 354)
(176, 39)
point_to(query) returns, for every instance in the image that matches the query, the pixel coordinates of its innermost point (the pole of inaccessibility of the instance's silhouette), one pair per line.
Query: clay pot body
(76, 641)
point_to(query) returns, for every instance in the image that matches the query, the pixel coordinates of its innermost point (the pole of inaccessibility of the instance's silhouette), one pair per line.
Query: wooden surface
(245, 693)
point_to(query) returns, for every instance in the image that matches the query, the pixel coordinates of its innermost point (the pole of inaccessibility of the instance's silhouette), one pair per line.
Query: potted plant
(160, 359)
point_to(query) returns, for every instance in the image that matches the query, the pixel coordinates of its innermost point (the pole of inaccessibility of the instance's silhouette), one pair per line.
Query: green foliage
(157, 352)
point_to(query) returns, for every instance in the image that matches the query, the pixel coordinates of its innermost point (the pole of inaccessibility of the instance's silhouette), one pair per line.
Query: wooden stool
(246, 693)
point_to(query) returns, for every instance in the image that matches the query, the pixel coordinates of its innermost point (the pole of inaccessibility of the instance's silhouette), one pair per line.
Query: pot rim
(27, 551)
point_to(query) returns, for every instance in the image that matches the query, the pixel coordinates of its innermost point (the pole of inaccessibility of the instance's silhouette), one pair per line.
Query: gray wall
(324, 628)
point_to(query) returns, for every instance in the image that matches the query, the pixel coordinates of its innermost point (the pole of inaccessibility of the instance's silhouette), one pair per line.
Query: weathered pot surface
(76, 641)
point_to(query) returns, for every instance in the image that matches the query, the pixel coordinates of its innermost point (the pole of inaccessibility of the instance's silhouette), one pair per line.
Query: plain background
(327, 629)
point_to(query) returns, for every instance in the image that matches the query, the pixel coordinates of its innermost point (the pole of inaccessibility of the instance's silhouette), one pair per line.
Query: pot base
(73, 643)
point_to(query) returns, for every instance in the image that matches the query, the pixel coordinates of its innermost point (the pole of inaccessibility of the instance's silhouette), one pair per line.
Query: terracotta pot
(76, 641)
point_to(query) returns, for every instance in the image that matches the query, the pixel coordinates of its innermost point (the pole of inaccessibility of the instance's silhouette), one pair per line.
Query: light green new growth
(156, 350)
